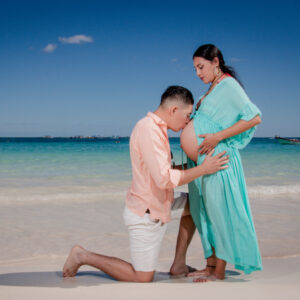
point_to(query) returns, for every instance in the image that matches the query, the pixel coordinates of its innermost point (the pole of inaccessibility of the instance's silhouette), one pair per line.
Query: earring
(217, 71)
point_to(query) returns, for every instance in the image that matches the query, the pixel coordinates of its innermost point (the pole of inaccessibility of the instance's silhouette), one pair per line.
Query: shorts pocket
(154, 221)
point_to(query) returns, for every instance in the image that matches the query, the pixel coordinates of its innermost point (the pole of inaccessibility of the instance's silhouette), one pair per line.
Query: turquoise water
(64, 159)
(51, 162)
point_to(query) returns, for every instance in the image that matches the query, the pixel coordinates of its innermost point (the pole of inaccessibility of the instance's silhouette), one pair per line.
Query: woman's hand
(211, 140)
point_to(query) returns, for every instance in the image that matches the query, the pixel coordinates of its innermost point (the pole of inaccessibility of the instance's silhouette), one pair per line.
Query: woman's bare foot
(74, 261)
(219, 276)
(207, 271)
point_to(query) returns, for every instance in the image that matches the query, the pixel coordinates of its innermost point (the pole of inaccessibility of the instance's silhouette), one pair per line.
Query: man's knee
(144, 276)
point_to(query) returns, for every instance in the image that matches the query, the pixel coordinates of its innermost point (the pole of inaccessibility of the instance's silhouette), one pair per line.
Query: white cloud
(174, 59)
(50, 48)
(76, 39)
(235, 59)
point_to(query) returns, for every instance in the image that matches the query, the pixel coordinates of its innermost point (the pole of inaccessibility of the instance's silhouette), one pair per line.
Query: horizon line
(98, 137)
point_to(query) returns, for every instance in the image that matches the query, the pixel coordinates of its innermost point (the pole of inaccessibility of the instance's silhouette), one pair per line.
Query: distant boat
(76, 137)
(286, 141)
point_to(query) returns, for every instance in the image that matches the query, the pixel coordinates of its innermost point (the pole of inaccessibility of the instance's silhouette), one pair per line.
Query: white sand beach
(37, 236)
(279, 280)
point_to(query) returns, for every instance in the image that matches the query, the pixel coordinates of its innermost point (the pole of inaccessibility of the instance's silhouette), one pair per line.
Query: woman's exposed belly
(188, 141)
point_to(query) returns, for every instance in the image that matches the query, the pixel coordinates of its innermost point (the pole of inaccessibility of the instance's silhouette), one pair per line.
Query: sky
(97, 67)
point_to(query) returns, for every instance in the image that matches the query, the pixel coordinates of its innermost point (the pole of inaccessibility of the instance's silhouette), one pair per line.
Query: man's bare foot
(181, 270)
(73, 262)
(207, 271)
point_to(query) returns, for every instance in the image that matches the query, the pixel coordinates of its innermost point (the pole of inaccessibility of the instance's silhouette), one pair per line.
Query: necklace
(213, 84)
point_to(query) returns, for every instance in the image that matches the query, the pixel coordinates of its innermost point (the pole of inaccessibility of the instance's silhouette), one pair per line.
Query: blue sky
(95, 68)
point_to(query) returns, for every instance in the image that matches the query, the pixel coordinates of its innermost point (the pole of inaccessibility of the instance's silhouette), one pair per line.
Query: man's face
(180, 116)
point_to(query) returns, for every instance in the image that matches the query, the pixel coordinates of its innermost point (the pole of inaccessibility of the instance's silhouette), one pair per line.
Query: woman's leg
(220, 269)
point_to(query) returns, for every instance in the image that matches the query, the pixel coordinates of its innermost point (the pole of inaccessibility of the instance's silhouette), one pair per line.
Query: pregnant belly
(188, 141)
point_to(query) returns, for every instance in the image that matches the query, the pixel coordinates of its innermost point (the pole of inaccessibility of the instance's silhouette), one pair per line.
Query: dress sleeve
(246, 110)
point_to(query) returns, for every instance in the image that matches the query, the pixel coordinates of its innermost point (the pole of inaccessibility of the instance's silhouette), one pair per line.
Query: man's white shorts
(145, 234)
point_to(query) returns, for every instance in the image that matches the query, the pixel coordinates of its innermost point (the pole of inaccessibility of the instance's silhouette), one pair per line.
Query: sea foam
(271, 190)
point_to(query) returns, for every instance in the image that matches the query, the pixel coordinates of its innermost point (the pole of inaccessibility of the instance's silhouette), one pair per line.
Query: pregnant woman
(225, 119)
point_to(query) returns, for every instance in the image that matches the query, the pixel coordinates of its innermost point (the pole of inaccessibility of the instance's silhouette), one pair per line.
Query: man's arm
(155, 157)
(211, 164)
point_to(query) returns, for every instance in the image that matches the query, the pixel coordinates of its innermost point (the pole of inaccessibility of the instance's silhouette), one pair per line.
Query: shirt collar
(160, 122)
(157, 119)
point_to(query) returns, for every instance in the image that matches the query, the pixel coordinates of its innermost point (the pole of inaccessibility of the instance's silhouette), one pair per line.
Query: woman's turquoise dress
(219, 202)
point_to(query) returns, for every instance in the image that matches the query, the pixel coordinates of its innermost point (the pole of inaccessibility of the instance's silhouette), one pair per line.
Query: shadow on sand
(85, 278)
(55, 279)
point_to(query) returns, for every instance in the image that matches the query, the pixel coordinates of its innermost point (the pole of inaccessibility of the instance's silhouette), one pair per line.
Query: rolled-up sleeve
(156, 158)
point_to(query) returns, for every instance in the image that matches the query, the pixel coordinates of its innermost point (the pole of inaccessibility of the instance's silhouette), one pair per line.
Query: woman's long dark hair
(209, 52)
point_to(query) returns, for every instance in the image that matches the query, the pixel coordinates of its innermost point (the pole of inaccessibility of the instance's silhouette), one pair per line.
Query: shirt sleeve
(153, 150)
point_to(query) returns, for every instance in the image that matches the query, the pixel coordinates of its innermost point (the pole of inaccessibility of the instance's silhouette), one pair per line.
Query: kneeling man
(150, 198)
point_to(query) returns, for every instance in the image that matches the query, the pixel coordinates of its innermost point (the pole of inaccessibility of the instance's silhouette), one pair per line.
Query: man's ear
(173, 110)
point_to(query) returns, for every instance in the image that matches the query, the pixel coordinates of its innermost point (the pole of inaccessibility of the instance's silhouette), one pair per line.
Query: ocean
(270, 168)
(57, 192)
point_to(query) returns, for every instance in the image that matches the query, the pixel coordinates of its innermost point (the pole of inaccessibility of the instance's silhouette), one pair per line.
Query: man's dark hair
(178, 93)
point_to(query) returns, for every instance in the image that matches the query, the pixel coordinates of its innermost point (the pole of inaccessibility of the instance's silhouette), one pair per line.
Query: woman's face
(205, 68)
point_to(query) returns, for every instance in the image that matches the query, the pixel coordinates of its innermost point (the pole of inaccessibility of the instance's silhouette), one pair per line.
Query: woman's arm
(212, 139)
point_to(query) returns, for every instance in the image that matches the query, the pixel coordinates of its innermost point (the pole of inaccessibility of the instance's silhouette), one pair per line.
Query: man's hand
(211, 140)
(212, 164)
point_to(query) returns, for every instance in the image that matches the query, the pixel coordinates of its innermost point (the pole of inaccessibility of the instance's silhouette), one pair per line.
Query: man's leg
(145, 236)
(114, 267)
(185, 234)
